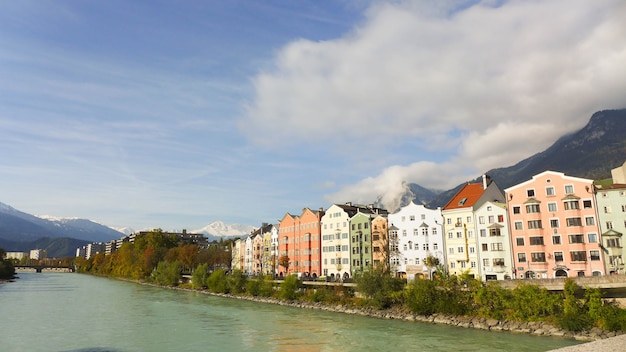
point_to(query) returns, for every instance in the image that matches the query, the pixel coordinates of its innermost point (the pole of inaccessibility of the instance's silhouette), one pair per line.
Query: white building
(419, 235)
(494, 242)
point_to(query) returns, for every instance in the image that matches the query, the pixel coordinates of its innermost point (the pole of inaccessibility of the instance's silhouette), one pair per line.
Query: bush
(421, 297)
(199, 276)
(289, 288)
(167, 273)
(217, 281)
(379, 287)
(237, 282)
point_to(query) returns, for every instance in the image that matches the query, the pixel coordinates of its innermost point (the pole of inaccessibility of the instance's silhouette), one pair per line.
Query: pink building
(554, 227)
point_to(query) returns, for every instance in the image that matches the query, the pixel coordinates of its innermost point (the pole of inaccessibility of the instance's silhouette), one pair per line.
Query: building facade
(494, 242)
(419, 235)
(460, 229)
(554, 227)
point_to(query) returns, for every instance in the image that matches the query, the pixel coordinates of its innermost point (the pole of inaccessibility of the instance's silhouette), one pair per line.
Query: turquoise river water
(74, 312)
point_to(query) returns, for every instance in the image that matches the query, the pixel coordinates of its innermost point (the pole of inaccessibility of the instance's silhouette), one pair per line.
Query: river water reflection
(74, 312)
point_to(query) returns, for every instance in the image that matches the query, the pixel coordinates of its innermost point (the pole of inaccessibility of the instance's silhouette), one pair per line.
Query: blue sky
(174, 114)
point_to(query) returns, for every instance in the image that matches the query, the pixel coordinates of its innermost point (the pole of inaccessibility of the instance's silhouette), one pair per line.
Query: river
(75, 312)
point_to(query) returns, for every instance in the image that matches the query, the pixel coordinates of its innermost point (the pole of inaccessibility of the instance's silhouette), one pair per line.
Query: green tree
(7, 270)
(289, 288)
(237, 281)
(379, 287)
(199, 276)
(167, 273)
(421, 297)
(217, 281)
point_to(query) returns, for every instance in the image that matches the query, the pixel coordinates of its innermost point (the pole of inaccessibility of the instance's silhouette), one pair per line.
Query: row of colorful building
(550, 226)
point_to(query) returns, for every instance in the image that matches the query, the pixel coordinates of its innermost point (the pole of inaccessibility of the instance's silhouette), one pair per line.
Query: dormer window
(462, 201)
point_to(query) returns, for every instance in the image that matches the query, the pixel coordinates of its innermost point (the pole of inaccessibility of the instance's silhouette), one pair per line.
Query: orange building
(299, 241)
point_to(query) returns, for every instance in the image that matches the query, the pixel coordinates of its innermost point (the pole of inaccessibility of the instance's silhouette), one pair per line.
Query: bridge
(43, 269)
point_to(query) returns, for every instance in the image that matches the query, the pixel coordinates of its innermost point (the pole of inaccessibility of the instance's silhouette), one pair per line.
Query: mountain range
(21, 232)
(589, 153)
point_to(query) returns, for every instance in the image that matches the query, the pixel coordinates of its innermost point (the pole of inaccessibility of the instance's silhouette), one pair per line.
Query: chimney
(349, 204)
(486, 181)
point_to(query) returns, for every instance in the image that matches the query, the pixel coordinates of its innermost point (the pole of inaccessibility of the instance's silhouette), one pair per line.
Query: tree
(7, 271)
(284, 262)
(167, 273)
(380, 287)
(431, 262)
(199, 276)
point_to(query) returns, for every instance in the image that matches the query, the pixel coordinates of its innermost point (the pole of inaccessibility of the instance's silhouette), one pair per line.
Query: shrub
(289, 288)
(199, 276)
(167, 273)
(237, 282)
(217, 281)
(421, 297)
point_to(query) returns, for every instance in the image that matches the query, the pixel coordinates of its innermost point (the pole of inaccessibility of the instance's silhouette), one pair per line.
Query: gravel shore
(612, 344)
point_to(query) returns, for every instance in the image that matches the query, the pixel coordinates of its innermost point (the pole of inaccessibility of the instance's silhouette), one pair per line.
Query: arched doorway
(560, 273)
(530, 275)
(346, 276)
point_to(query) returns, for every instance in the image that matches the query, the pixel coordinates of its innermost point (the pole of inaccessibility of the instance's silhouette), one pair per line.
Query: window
(552, 207)
(609, 225)
(516, 210)
(587, 204)
(492, 219)
(485, 247)
(450, 234)
(590, 221)
(483, 233)
(417, 261)
(463, 265)
(498, 261)
(486, 262)
(481, 219)
(612, 242)
(435, 246)
(534, 224)
(576, 239)
(521, 257)
(569, 189)
(530, 193)
(518, 225)
(451, 250)
(404, 233)
(497, 247)
(558, 256)
(449, 221)
(425, 246)
(469, 219)
(415, 231)
(459, 234)
(554, 223)
(536, 241)
(571, 205)
(538, 257)
(594, 255)
(500, 218)
(578, 256)
(532, 208)
(550, 191)
(460, 250)
(494, 232)
(607, 210)
(592, 237)
(472, 250)
(412, 218)
(452, 265)
(573, 222)
(519, 241)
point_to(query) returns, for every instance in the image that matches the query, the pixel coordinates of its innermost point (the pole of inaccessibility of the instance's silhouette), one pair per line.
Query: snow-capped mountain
(221, 229)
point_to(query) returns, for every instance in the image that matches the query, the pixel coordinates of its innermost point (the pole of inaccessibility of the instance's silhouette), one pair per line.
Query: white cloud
(501, 82)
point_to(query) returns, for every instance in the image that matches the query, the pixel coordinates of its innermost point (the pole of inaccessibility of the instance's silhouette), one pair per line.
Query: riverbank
(516, 327)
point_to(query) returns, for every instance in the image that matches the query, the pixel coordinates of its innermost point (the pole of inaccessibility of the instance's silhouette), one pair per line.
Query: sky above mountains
(176, 114)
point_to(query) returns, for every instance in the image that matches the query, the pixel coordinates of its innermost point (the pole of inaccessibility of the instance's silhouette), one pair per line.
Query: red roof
(466, 197)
